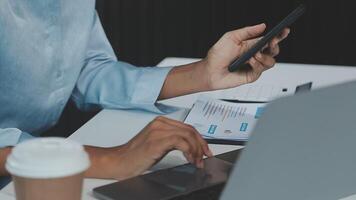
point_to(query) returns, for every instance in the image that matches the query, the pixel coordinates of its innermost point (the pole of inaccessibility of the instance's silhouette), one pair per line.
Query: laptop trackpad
(168, 183)
(188, 178)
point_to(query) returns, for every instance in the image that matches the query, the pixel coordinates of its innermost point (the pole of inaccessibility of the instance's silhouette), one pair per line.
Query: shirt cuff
(12, 136)
(148, 87)
(24, 137)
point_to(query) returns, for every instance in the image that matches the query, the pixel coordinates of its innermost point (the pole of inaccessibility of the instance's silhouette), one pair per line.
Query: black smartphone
(286, 22)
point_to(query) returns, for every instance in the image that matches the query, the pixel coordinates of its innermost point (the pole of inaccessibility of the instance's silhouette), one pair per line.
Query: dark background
(143, 32)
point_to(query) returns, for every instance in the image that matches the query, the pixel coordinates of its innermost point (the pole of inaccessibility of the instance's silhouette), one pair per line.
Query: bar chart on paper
(224, 120)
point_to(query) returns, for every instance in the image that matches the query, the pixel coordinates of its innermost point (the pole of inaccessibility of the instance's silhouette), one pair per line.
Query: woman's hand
(157, 139)
(231, 46)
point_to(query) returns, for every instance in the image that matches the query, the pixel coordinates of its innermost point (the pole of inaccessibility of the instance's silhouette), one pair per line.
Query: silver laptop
(304, 147)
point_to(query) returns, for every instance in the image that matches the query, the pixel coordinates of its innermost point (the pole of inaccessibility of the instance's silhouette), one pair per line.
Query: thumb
(249, 32)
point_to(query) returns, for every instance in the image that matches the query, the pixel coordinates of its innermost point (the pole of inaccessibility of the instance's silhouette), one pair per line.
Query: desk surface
(106, 129)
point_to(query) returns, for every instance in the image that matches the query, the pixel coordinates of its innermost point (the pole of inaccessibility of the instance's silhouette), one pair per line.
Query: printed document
(217, 119)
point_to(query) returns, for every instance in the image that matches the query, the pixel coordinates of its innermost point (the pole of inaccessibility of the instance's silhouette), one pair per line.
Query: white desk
(116, 127)
(4, 196)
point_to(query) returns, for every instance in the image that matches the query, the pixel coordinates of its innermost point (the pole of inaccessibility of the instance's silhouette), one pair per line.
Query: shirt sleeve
(12, 136)
(105, 82)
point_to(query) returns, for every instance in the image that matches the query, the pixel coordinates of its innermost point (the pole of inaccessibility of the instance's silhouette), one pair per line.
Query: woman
(54, 50)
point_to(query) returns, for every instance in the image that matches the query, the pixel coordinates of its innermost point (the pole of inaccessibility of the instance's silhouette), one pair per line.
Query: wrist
(185, 79)
(102, 161)
(4, 153)
(201, 76)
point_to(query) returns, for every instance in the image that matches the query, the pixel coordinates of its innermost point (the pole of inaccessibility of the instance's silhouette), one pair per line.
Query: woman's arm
(158, 138)
(212, 72)
(148, 147)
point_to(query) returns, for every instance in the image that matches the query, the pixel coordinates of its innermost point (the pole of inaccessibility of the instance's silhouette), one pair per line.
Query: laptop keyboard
(210, 193)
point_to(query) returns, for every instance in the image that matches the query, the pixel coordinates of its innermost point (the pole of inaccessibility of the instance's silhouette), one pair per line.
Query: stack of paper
(217, 119)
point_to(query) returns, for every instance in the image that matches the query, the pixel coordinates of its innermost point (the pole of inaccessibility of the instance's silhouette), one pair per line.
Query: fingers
(176, 140)
(196, 150)
(249, 44)
(273, 46)
(179, 133)
(181, 144)
(257, 67)
(266, 61)
(190, 128)
(284, 34)
(191, 135)
(246, 33)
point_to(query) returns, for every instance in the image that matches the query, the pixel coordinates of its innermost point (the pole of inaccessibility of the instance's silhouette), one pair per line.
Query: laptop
(303, 147)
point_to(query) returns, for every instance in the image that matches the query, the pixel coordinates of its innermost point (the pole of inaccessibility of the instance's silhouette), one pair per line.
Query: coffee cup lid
(46, 158)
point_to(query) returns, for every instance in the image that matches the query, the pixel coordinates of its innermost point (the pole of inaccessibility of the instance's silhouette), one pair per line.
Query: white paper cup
(48, 168)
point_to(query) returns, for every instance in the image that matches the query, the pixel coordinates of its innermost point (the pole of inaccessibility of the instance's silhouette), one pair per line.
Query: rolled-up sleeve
(105, 82)
(12, 136)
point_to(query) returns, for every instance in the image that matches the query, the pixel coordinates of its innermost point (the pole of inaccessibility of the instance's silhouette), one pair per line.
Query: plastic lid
(47, 158)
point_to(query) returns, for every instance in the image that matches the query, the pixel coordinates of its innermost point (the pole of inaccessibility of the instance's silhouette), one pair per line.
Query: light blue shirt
(53, 50)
